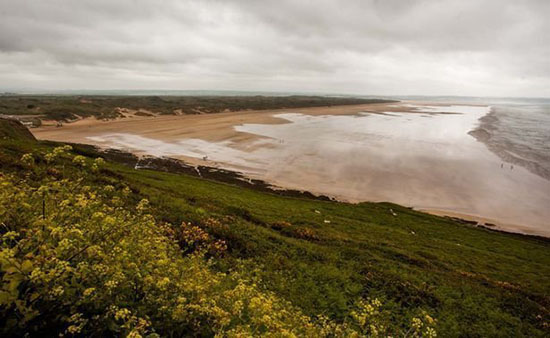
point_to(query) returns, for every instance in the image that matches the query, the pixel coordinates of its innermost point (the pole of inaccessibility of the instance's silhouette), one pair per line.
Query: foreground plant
(77, 258)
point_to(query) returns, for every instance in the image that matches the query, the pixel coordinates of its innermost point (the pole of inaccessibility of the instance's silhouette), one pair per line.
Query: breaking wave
(518, 134)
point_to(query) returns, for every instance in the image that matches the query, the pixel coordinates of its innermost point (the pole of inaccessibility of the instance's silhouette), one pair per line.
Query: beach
(418, 154)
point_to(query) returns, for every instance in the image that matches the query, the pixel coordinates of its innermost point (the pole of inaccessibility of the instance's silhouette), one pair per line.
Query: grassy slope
(10, 129)
(474, 281)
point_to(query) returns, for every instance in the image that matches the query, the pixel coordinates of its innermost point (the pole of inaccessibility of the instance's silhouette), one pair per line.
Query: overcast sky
(378, 47)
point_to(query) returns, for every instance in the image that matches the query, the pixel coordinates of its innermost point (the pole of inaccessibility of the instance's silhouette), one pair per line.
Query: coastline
(202, 170)
(220, 128)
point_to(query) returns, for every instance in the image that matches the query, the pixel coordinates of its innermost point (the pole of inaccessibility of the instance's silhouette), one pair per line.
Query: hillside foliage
(84, 259)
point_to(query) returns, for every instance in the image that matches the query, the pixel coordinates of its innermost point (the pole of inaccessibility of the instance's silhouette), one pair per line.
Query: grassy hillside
(70, 107)
(475, 281)
(324, 256)
(14, 130)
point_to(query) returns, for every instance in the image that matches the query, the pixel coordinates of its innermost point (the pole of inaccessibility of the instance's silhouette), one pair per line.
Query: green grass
(473, 280)
(476, 282)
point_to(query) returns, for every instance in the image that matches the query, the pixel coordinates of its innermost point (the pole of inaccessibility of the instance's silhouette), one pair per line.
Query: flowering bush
(76, 259)
(79, 160)
(56, 153)
(27, 160)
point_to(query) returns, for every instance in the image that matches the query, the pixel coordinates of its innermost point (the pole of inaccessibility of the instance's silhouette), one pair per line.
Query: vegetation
(100, 248)
(83, 263)
(64, 108)
(10, 129)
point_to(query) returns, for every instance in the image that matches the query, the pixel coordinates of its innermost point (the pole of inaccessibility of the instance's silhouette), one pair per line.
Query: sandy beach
(418, 154)
(209, 127)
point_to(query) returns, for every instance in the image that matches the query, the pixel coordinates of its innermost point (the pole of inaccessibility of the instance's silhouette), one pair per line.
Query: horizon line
(7, 92)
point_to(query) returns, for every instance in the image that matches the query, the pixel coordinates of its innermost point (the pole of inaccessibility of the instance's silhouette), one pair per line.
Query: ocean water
(519, 131)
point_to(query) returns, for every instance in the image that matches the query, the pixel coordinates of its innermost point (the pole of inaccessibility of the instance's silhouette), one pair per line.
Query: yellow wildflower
(88, 292)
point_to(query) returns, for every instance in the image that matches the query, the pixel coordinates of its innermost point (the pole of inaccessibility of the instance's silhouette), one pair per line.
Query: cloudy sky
(378, 47)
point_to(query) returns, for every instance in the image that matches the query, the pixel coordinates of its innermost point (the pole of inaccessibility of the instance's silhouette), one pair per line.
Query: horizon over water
(231, 92)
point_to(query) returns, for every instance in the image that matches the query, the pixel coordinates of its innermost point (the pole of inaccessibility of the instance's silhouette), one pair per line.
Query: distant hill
(65, 108)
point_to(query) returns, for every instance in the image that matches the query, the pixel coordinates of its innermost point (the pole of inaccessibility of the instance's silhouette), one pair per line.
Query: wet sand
(415, 154)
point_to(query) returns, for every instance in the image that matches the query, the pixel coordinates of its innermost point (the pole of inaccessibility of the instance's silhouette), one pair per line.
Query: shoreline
(228, 176)
(220, 128)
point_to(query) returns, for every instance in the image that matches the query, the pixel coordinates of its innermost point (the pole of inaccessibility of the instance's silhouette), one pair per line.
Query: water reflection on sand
(424, 159)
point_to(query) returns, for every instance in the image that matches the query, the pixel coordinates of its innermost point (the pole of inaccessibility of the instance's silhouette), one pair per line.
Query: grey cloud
(464, 47)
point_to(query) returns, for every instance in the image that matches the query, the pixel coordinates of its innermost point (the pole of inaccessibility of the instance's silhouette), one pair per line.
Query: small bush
(281, 225)
(305, 233)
